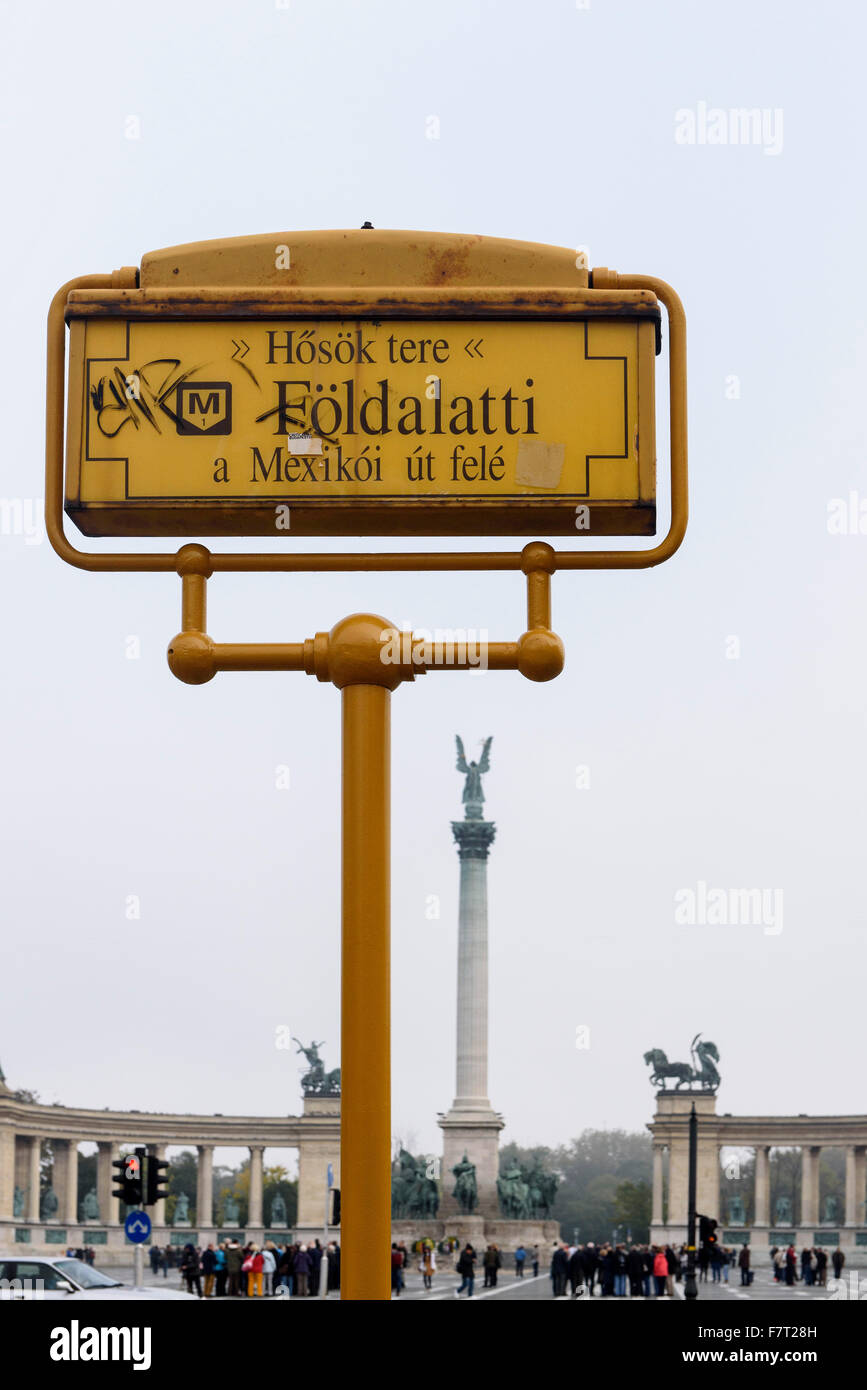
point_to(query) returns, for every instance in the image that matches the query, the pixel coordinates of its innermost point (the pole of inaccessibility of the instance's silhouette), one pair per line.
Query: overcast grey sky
(557, 123)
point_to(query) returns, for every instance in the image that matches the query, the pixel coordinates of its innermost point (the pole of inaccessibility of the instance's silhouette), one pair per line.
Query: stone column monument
(472, 1127)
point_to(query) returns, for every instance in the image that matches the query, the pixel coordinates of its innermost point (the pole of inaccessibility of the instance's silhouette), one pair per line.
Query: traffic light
(335, 1206)
(707, 1228)
(156, 1181)
(128, 1179)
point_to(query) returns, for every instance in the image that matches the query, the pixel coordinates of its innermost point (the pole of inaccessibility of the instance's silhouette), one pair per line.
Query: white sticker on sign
(303, 444)
(539, 464)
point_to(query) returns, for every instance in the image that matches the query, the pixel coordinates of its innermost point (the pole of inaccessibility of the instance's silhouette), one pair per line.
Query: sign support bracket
(358, 657)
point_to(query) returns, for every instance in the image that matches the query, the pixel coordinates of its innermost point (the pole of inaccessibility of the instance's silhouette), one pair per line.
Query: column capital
(474, 837)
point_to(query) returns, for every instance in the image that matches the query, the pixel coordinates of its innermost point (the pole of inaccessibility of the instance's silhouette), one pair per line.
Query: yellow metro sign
(326, 404)
(223, 385)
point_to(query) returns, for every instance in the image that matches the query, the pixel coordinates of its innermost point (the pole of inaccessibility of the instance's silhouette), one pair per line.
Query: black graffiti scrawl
(136, 397)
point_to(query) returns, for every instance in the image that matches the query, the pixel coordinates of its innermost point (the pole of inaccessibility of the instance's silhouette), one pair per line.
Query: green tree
(785, 1174)
(737, 1179)
(183, 1177)
(86, 1175)
(46, 1164)
(239, 1188)
(632, 1209)
(224, 1181)
(832, 1181)
(590, 1168)
(276, 1182)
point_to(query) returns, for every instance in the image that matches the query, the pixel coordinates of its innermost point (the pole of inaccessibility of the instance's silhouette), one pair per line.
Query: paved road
(763, 1288)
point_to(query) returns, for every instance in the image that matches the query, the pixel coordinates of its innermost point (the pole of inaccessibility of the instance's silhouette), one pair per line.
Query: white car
(44, 1277)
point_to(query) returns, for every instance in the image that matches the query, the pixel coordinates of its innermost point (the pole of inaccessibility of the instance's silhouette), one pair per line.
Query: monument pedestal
(476, 1133)
(481, 1231)
(671, 1128)
(313, 1162)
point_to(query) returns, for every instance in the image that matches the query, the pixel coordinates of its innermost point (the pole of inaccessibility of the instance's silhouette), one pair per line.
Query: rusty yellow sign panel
(361, 426)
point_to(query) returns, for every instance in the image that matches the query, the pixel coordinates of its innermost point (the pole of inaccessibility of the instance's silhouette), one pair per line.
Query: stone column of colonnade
(656, 1211)
(714, 1183)
(856, 1161)
(810, 1184)
(254, 1214)
(34, 1155)
(205, 1186)
(109, 1207)
(159, 1208)
(66, 1180)
(7, 1174)
(761, 1216)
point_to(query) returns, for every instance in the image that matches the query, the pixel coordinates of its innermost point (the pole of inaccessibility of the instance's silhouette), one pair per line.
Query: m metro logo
(204, 407)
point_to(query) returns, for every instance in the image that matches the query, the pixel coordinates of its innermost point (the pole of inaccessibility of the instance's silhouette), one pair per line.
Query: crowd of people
(813, 1262)
(232, 1270)
(619, 1271)
(85, 1253)
(640, 1271)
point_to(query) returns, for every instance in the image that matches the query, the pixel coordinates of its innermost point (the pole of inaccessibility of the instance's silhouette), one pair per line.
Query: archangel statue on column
(473, 796)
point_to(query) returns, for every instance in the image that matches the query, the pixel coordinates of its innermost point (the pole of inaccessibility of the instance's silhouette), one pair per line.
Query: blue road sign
(137, 1226)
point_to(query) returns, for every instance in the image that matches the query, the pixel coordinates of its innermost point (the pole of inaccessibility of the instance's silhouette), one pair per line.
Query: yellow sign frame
(414, 275)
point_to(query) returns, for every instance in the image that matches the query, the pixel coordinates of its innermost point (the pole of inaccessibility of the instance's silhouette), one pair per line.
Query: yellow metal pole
(365, 1121)
(355, 656)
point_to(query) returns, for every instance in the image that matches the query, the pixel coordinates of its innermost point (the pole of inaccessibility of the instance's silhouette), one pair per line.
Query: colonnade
(31, 1213)
(809, 1215)
(808, 1133)
(21, 1192)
